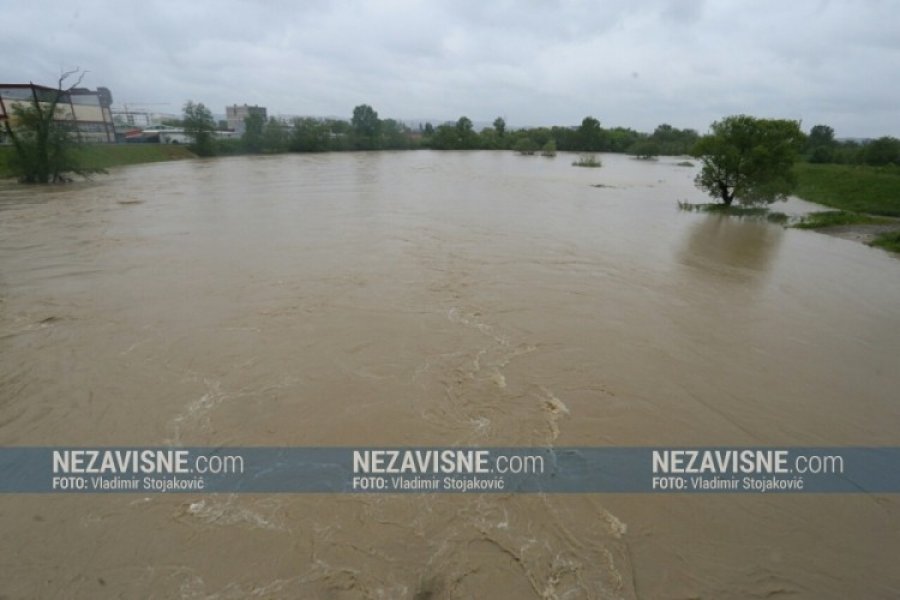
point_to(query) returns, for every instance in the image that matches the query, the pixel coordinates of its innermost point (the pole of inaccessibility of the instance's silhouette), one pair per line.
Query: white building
(235, 116)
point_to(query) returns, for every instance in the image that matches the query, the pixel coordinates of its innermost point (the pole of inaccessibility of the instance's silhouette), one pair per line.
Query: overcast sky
(633, 63)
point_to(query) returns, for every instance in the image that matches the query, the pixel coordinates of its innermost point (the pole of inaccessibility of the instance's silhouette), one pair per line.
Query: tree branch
(68, 74)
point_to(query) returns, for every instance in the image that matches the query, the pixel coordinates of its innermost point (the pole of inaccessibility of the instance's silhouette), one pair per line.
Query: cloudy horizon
(627, 63)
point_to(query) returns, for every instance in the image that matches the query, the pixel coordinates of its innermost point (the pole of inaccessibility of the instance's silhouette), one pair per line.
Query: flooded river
(437, 299)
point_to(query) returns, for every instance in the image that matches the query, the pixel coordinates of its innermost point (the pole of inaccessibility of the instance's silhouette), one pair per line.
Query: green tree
(566, 138)
(749, 159)
(466, 136)
(590, 135)
(883, 151)
(646, 149)
(366, 127)
(340, 135)
(309, 135)
(619, 139)
(456, 136)
(199, 125)
(820, 135)
(394, 135)
(820, 144)
(274, 138)
(445, 137)
(254, 123)
(500, 126)
(525, 146)
(44, 142)
(489, 140)
(549, 149)
(672, 141)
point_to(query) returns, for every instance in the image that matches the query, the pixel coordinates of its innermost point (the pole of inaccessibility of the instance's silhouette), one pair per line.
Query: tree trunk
(727, 197)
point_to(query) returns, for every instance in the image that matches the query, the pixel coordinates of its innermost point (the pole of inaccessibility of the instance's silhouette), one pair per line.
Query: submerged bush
(734, 211)
(526, 146)
(549, 149)
(587, 160)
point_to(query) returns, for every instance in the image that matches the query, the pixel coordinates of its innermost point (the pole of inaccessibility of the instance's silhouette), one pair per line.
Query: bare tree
(45, 143)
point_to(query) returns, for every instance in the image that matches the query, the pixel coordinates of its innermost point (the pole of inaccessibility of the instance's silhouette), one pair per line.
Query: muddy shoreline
(865, 234)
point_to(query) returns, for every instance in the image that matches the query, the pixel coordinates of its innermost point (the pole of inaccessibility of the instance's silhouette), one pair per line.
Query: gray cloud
(630, 63)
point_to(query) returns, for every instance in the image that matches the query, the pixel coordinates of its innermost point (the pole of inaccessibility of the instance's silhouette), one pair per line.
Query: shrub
(526, 146)
(587, 160)
(549, 148)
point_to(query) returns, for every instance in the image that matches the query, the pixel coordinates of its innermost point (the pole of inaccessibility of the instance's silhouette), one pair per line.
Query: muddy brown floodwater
(437, 299)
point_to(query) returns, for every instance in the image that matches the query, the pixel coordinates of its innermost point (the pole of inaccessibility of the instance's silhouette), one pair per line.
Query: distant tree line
(365, 130)
(590, 136)
(822, 147)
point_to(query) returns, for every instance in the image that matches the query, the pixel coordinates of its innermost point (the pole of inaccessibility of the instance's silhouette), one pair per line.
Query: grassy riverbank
(865, 195)
(888, 241)
(855, 188)
(105, 156)
(839, 218)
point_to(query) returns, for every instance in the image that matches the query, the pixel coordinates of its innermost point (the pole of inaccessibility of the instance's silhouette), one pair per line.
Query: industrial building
(87, 111)
(235, 116)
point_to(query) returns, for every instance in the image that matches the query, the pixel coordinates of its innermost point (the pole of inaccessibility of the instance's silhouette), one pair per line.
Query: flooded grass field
(421, 298)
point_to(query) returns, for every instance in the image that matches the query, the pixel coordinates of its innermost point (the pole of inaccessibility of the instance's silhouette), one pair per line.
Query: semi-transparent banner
(147, 470)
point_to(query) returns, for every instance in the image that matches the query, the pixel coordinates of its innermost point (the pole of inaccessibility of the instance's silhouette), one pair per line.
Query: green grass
(888, 241)
(835, 218)
(104, 156)
(857, 188)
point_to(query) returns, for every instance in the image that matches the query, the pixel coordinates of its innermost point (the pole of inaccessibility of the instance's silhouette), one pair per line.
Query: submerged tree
(525, 146)
(749, 159)
(549, 149)
(645, 149)
(44, 140)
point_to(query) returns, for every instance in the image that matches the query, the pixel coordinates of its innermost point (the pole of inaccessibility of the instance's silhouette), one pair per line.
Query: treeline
(821, 147)
(590, 136)
(366, 131)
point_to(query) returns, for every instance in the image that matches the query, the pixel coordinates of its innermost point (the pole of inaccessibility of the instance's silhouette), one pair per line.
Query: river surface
(437, 299)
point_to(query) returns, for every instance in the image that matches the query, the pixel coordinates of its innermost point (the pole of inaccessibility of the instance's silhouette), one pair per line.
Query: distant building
(235, 116)
(87, 110)
(166, 134)
(159, 134)
(125, 119)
